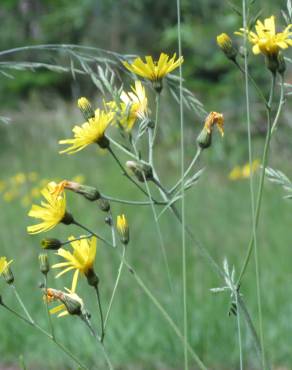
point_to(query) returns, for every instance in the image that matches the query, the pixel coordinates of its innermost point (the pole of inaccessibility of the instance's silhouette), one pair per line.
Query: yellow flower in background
(154, 70)
(217, 119)
(19, 178)
(81, 260)
(123, 228)
(90, 132)
(265, 40)
(51, 212)
(72, 304)
(4, 264)
(244, 172)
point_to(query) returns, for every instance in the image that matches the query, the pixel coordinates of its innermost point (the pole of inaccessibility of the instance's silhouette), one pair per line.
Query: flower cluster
(244, 172)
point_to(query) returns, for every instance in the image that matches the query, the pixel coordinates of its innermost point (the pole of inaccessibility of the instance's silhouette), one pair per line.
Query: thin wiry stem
(166, 316)
(123, 149)
(100, 313)
(44, 332)
(115, 287)
(184, 265)
(281, 104)
(92, 233)
(239, 332)
(22, 304)
(47, 309)
(133, 202)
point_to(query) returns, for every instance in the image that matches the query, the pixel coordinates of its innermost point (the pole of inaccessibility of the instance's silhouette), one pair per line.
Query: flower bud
(123, 229)
(51, 243)
(6, 271)
(104, 205)
(44, 263)
(89, 192)
(225, 44)
(142, 171)
(204, 139)
(86, 108)
(73, 305)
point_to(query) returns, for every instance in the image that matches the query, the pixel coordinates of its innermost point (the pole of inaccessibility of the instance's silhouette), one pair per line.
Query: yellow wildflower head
(90, 132)
(72, 304)
(81, 260)
(212, 119)
(51, 212)
(235, 173)
(123, 228)
(265, 40)
(86, 108)
(225, 44)
(5, 270)
(154, 71)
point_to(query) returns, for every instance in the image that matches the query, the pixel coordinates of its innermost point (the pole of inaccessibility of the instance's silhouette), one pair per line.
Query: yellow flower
(51, 212)
(133, 106)
(212, 119)
(123, 228)
(82, 259)
(4, 264)
(235, 173)
(92, 131)
(72, 304)
(247, 169)
(154, 70)
(225, 44)
(265, 40)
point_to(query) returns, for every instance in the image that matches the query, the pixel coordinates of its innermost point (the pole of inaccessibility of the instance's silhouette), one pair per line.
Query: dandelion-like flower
(90, 132)
(4, 264)
(265, 40)
(133, 106)
(51, 212)
(154, 71)
(81, 260)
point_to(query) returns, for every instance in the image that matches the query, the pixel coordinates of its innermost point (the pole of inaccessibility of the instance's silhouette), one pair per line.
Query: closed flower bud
(44, 263)
(89, 192)
(104, 205)
(225, 44)
(142, 171)
(123, 229)
(204, 139)
(86, 108)
(51, 243)
(6, 271)
(73, 305)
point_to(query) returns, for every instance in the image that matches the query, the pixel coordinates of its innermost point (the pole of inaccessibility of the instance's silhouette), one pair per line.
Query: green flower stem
(165, 315)
(48, 311)
(281, 104)
(262, 178)
(112, 226)
(132, 202)
(44, 332)
(154, 134)
(193, 162)
(125, 172)
(123, 149)
(20, 301)
(100, 313)
(115, 287)
(92, 233)
(239, 333)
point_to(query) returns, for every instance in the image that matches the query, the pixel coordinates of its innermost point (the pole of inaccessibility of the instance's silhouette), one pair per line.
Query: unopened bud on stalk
(123, 229)
(44, 263)
(225, 44)
(6, 271)
(86, 108)
(281, 64)
(103, 204)
(51, 243)
(89, 192)
(142, 171)
(204, 139)
(73, 305)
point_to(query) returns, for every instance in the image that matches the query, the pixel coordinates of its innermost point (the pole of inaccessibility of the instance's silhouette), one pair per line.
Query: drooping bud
(85, 108)
(44, 263)
(204, 139)
(103, 204)
(123, 229)
(225, 44)
(6, 271)
(142, 171)
(89, 192)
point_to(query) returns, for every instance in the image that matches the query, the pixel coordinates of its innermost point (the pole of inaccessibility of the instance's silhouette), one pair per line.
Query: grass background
(218, 211)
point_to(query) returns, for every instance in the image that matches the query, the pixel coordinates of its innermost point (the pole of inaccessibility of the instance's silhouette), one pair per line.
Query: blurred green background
(39, 108)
